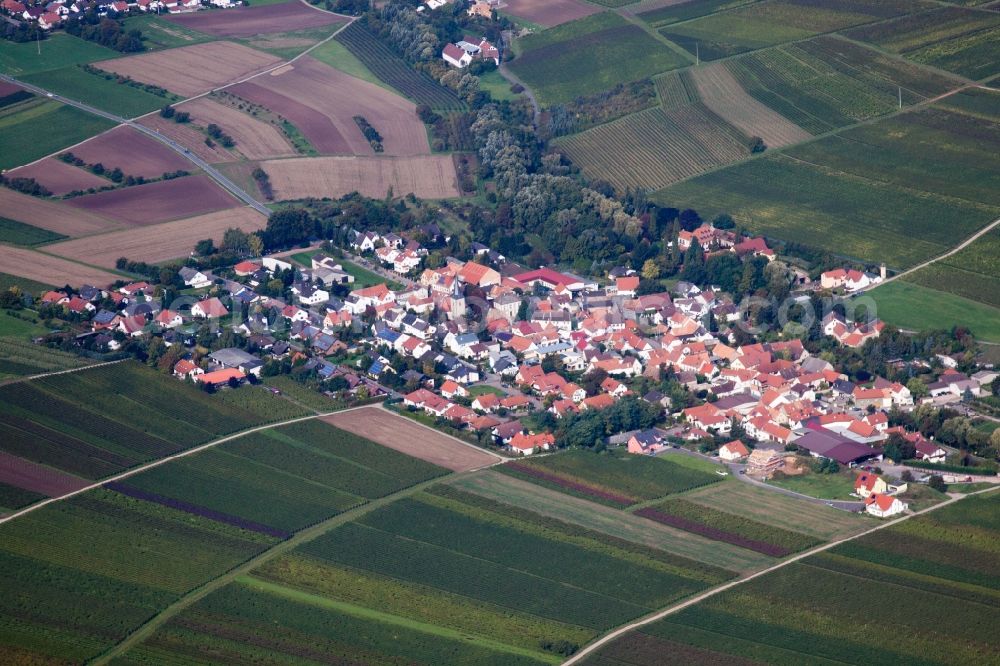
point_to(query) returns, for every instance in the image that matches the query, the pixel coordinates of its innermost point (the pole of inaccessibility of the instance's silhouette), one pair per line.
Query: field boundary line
(156, 463)
(17, 380)
(502, 459)
(955, 250)
(659, 615)
(302, 536)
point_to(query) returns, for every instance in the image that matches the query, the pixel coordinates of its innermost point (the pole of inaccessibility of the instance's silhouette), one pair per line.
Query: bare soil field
(190, 138)
(158, 242)
(131, 151)
(8, 88)
(51, 215)
(37, 478)
(413, 439)
(318, 129)
(340, 97)
(428, 176)
(724, 95)
(249, 21)
(255, 139)
(58, 177)
(51, 270)
(158, 202)
(192, 70)
(549, 13)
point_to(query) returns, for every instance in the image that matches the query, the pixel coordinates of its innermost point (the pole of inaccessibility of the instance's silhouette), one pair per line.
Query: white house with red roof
(209, 308)
(884, 506)
(734, 450)
(456, 56)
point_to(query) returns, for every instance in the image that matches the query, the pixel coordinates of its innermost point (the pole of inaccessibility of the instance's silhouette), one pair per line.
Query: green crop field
(8, 281)
(932, 579)
(686, 11)
(101, 421)
(589, 56)
(973, 273)
(160, 34)
(35, 127)
(99, 91)
(59, 50)
(914, 307)
(895, 206)
(656, 147)
(958, 40)
(393, 70)
(612, 479)
(290, 44)
(772, 22)
(19, 233)
(79, 575)
(826, 83)
(20, 358)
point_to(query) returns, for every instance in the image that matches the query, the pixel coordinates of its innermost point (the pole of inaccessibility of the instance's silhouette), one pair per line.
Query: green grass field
(589, 56)
(933, 578)
(15, 327)
(8, 281)
(336, 55)
(762, 24)
(36, 127)
(19, 233)
(160, 34)
(895, 206)
(98, 91)
(914, 307)
(823, 486)
(287, 45)
(497, 86)
(973, 273)
(59, 50)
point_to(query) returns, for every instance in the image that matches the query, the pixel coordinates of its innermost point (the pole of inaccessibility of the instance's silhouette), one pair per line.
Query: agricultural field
(34, 127)
(901, 209)
(18, 233)
(281, 480)
(674, 12)
(54, 216)
(48, 269)
(255, 139)
(80, 574)
(192, 70)
(58, 177)
(8, 281)
(656, 147)
(403, 435)
(723, 95)
(257, 20)
(427, 176)
(101, 421)
(20, 358)
(932, 578)
(615, 480)
(59, 50)
(911, 306)
(762, 24)
(192, 138)
(973, 273)
(158, 242)
(103, 92)
(589, 56)
(958, 40)
(553, 13)
(332, 99)
(143, 205)
(728, 527)
(159, 32)
(131, 151)
(826, 83)
(394, 71)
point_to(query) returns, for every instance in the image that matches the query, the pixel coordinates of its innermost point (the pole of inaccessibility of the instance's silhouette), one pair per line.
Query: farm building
(822, 444)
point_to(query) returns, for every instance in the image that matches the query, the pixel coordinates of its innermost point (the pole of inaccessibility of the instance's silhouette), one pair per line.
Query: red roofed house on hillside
(883, 506)
(866, 484)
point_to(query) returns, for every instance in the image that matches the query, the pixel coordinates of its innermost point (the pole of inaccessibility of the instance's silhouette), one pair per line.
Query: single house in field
(884, 506)
(734, 450)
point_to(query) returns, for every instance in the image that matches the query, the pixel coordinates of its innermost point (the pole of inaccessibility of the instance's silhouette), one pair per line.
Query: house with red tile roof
(525, 445)
(220, 377)
(734, 450)
(884, 506)
(867, 483)
(209, 308)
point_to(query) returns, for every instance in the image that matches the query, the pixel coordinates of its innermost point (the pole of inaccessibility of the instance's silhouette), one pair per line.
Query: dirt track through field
(723, 94)
(131, 151)
(51, 270)
(412, 438)
(51, 215)
(159, 242)
(142, 205)
(428, 177)
(255, 139)
(192, 70)
(58, 177)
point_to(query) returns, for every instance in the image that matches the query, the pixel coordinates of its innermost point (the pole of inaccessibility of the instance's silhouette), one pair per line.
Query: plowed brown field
(427, 176)
(158, 202)
(51, 215)
(192, 70)
(190, 138)
(548, 13)
(58, 177)
(402, 434)
(37, 478)
(255, 139)
(131, 151)
(51, 270)
(249, 21)
(314, 125)
(158, 242)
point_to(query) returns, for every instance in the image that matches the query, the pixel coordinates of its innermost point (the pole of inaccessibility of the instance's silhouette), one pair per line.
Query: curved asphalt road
(212, 172)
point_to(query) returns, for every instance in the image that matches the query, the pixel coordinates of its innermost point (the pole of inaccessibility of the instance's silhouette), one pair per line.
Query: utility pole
(900, 97)
(697, 55)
